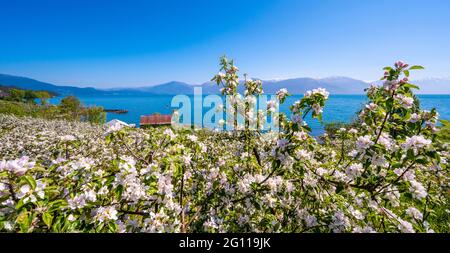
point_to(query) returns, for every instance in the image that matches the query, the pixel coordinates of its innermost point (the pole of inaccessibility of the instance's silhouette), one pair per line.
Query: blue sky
(136, 43)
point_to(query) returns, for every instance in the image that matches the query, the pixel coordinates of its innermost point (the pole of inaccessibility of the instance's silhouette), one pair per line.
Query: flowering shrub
(389, 174)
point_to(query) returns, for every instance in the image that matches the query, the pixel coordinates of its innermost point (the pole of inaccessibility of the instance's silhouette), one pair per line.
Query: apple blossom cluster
(386, 173)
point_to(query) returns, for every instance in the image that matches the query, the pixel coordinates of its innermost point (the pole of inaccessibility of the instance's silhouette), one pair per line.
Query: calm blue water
(338, 107)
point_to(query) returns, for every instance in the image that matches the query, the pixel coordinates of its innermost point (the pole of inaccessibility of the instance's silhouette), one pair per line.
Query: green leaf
(112, 227)
(416, 67)
(108, 139)
(19, 204)
(406, 72)
(23, 221)
(3, 198)
(422, 161)
(445, 122)
(339, 187)
(57, 204)
(30, 180)
(119, 191)
(410, 154)
(47, 218)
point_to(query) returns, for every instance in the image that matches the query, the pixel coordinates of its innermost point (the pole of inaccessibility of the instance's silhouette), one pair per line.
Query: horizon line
(200, 84)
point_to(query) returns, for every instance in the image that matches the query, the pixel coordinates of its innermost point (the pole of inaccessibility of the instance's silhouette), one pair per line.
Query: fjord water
(341, 108)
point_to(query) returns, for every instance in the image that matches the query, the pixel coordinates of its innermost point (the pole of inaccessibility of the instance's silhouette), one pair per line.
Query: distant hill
(335, 85)
(31, 84)
(433, 85)
(173, 87)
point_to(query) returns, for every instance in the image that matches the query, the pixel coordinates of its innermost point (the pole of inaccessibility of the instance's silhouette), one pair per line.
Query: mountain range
(335, 85)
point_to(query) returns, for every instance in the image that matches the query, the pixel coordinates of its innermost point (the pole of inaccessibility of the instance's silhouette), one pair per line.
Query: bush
(94, 115)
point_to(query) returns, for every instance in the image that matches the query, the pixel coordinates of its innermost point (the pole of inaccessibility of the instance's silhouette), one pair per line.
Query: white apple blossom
(372, 106)
(282, 93)
(414, 118)
(103, 214)
(414, 213)
(406, 102)
(416, 142)
(297, 119)
(418, 190)
(354, 170)
(68, 138)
